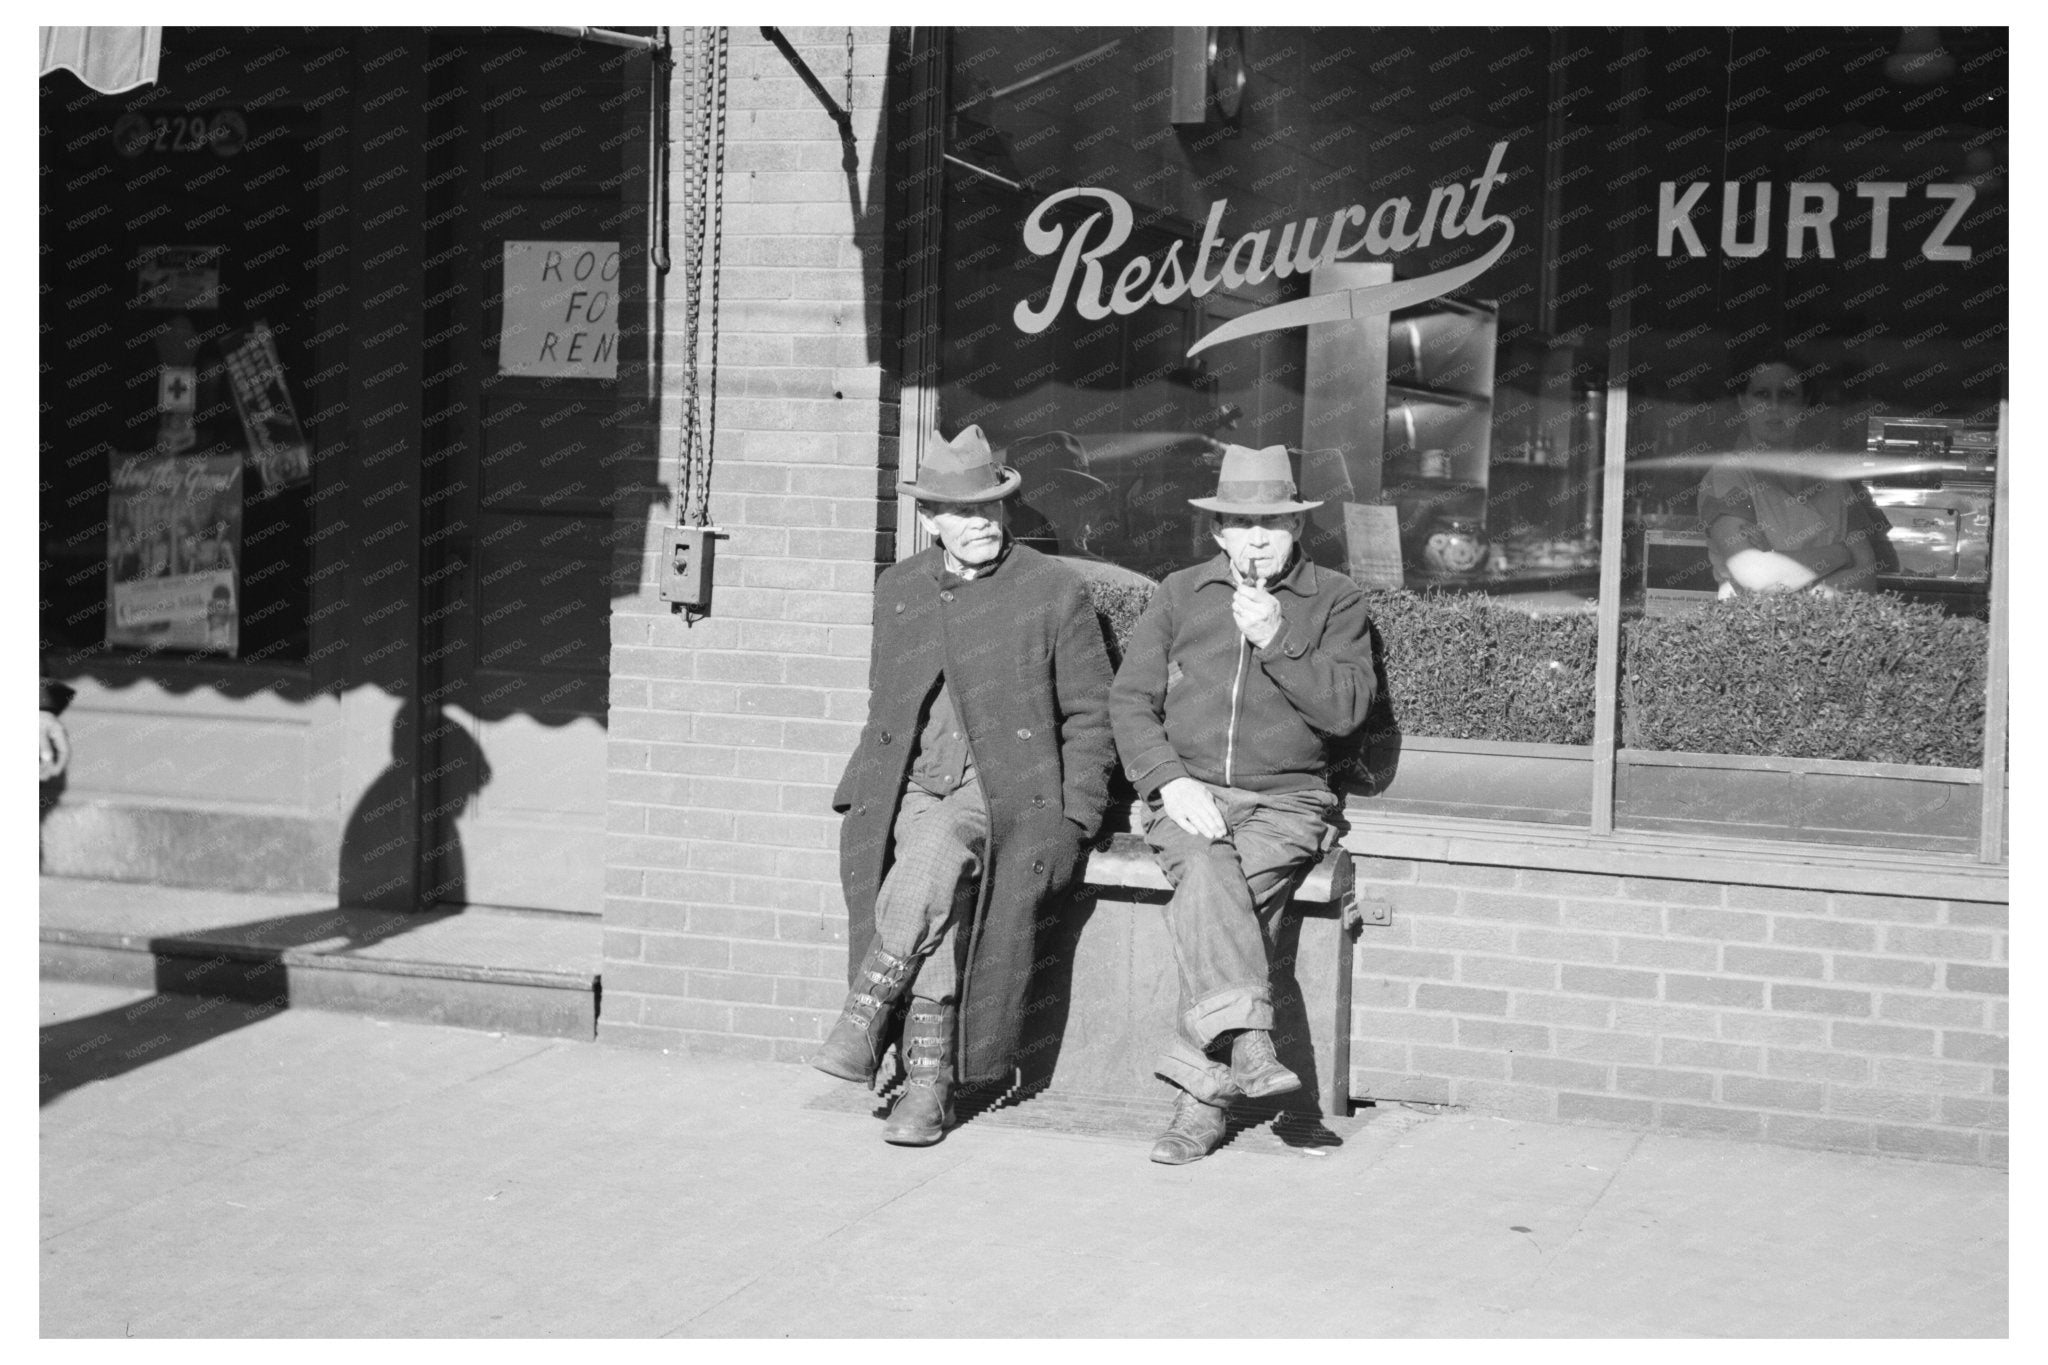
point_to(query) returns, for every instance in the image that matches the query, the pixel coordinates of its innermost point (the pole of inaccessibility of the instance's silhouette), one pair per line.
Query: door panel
(533, 837)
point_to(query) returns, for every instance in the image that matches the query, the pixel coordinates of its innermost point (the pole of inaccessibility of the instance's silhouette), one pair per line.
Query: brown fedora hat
(961, 470)
(1254, 483)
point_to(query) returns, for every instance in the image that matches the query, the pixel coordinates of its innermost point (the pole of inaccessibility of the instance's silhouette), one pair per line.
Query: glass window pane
(1815, 374)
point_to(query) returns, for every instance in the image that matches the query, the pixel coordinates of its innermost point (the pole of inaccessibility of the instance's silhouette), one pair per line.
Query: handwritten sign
(561, 310)
(1372, 535)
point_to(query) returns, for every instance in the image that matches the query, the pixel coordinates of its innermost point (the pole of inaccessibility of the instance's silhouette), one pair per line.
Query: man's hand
(1257, 613)
(1189, 805)
(1768, 571)
(56, 747)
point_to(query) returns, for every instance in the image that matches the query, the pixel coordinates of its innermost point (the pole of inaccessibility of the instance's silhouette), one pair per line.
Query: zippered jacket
(1194, 699)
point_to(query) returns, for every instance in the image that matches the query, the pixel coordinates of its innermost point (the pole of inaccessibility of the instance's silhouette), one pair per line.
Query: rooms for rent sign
(561, 310)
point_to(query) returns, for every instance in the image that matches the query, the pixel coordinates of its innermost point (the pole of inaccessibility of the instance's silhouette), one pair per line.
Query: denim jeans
(1228, 896)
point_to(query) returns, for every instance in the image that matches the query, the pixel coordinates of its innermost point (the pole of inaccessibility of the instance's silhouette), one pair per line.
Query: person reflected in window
(1773, 525)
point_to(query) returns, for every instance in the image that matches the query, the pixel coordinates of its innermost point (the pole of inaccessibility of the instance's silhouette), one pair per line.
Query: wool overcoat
(1022, 653)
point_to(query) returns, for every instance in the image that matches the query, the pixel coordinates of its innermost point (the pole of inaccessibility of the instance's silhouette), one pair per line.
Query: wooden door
(543, 139)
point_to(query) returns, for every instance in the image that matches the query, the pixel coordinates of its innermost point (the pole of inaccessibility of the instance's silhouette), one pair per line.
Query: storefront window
(1432, 264)
(1816, 357)
(180, 246)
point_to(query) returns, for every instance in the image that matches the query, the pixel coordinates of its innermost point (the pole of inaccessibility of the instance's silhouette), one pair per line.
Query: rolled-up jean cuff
(1209, 1081)
(1233, 1007)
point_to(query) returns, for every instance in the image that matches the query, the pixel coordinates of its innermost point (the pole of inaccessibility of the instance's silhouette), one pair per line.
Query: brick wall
(724, 926)
(1858, 1022)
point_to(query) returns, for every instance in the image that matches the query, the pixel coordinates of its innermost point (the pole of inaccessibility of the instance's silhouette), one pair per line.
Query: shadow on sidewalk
(207, 985)
(216, 980)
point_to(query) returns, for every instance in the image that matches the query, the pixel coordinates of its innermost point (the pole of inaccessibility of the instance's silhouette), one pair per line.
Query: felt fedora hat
(1254, 483)
(961, 470)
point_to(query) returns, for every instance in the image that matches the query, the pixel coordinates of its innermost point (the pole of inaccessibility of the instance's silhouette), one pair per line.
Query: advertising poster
(561, 310)
(174, 537)
(276, 441)
(178, 278)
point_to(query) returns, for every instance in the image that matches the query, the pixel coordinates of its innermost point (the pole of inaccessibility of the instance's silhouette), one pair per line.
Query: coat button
(861, 809)
(1038, 801)
(946, 596)
(885, 736)
(1038, 867)
(1023, 734)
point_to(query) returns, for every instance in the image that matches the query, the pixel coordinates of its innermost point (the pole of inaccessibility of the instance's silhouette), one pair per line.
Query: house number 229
(224, 131)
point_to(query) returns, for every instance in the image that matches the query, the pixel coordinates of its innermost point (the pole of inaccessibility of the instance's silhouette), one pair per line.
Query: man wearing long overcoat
(980, 778)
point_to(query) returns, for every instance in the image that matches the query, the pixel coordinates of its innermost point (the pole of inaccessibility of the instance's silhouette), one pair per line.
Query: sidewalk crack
(1550, 1258)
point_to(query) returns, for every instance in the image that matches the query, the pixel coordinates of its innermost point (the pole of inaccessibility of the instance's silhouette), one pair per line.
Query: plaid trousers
(940, 846)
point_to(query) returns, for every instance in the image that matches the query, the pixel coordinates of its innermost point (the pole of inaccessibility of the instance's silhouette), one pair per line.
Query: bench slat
(1126, 860)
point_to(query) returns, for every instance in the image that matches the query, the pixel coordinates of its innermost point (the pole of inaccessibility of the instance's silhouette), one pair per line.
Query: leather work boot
(853, 1049)
(1255, 1068)
(1196, 1129)
(924, 1111)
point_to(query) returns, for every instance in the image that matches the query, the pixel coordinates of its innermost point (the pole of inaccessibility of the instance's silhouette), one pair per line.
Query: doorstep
(500, 970)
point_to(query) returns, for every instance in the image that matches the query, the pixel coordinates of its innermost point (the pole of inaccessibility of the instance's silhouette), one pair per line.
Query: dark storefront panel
(418, 692)
(240, 186)
(176, 218)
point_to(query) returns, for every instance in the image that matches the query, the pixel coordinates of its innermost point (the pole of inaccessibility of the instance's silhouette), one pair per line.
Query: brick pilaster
(723, 918)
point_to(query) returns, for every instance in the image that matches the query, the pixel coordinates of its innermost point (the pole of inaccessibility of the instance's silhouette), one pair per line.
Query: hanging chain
(714, 176)
(703, 191)
(693, 257)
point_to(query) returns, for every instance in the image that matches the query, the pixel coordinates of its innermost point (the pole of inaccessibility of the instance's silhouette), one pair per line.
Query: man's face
(1772, 403)
(1259, 547)
(972, 532)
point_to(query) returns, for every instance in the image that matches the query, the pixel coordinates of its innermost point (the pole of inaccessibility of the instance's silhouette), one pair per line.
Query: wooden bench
(1121, 993)
(1124, 859)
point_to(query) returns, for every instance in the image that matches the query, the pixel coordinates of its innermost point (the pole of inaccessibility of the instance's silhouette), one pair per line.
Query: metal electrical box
(686, 566)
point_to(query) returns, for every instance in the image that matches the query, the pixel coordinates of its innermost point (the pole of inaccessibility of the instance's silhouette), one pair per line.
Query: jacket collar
(1300, 578)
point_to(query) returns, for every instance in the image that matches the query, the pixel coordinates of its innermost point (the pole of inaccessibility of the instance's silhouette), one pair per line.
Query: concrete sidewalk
(212, 1170)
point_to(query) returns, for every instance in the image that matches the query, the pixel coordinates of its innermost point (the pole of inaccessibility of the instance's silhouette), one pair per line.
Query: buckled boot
(853, 1049)
(1196, 1130)
(1255, 1068)
(924, 1111)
